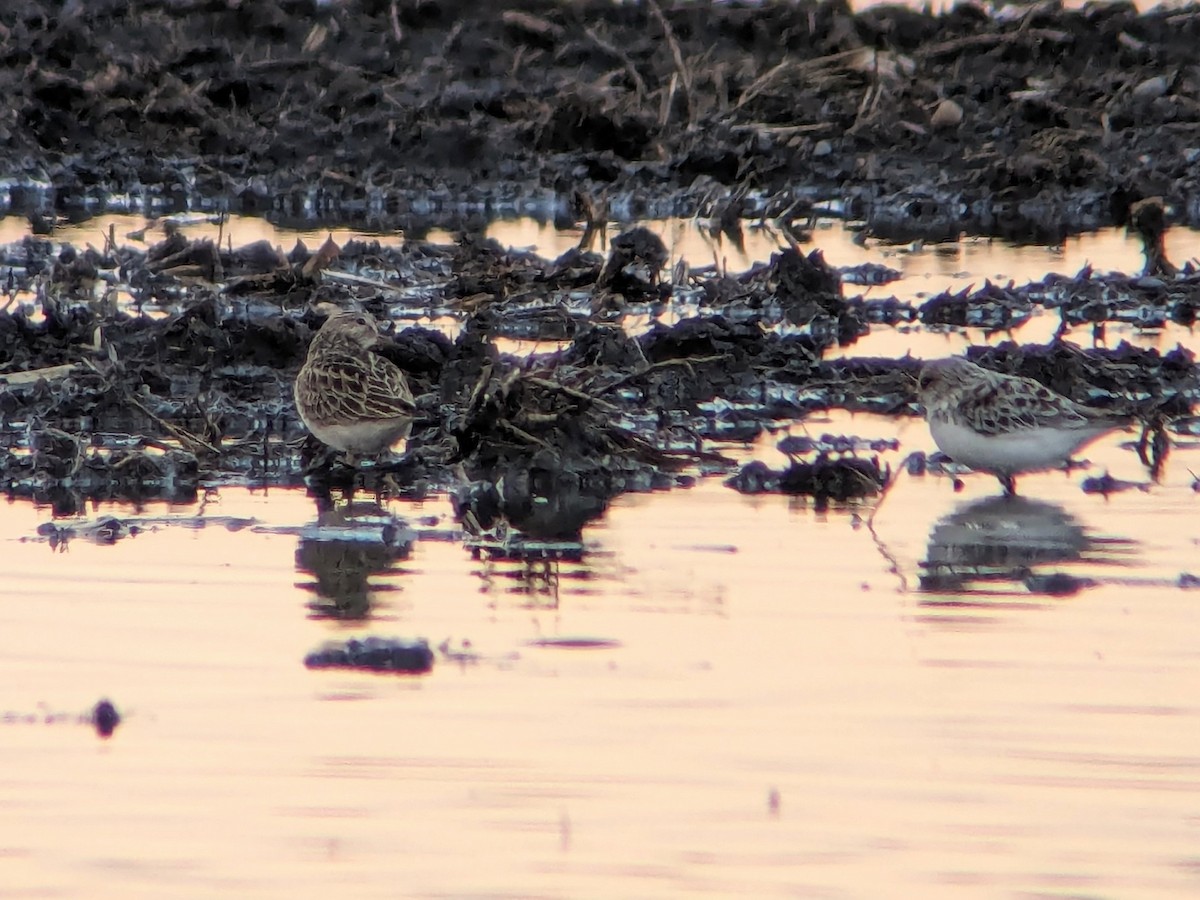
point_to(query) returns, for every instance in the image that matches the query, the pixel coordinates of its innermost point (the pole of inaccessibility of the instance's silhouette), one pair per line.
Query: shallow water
(776, 708)
(926, 269)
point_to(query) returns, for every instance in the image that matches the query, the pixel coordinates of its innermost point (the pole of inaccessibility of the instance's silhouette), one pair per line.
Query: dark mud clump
(374, 654)
(1030, 121)
(106, 718)
(823, 479)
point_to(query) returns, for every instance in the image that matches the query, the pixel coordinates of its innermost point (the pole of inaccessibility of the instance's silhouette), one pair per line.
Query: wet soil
(158, 373)
(1032, 122)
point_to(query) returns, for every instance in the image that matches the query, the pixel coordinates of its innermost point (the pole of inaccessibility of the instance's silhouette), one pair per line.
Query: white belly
(362, 437)
(1027, 450)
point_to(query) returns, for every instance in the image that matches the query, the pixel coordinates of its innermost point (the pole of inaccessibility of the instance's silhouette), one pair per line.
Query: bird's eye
(361, 320)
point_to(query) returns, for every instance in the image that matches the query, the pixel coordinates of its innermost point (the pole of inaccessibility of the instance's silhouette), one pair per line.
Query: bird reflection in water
(531, 517)
(345, 546)
(998, 543)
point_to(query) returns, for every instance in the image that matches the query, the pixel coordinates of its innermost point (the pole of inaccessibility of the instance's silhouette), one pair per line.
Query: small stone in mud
(947, 115)
(373, 654)
(916, 463)
(106, 718)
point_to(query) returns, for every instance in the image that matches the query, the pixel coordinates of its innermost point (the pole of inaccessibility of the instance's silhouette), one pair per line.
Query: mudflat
(1032, 122)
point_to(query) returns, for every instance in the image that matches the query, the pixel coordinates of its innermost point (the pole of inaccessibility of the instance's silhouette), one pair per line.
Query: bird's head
(939, 376)
(351, 327)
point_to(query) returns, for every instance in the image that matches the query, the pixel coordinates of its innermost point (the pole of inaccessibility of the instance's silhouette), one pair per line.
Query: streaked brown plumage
(350, 397)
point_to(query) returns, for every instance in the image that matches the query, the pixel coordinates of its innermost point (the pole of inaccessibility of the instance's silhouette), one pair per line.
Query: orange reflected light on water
(915, 748)
(918, 744)
(927, 268)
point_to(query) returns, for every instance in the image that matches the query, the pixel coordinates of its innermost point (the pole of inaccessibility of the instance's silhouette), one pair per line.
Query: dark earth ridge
(1032, 122)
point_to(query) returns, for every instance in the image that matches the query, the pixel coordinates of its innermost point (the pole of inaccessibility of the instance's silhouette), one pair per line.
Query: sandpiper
(350, 397)
(1005, 424)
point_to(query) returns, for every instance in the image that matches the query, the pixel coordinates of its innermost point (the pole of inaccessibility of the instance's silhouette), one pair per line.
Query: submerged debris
(106, 718)
(103, 717)
(1056, 584)
(374, 654)
(825, 478)
(1105, 484)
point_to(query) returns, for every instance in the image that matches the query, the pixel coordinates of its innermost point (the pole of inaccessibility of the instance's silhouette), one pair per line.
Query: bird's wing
(342, 386)
(999, 407)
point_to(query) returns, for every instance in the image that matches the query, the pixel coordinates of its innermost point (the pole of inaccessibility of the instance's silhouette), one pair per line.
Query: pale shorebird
(1005, 424)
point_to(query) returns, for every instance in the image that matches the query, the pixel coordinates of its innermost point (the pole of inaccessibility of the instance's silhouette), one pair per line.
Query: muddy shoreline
(1030, 124)
(159, 373)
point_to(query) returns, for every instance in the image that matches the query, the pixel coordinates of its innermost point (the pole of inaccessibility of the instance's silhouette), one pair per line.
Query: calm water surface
(783, 709)
(927, 268)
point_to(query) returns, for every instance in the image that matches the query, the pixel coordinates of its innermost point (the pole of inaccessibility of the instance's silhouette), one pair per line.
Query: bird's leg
(1009, 484)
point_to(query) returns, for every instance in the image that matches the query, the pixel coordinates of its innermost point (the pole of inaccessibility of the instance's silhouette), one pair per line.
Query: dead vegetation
(404, 114)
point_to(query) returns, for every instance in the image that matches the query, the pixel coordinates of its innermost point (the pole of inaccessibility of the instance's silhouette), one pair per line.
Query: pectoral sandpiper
(349, 396)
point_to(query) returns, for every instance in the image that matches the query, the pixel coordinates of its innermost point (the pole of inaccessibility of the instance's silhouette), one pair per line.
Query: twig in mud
(662, 364)
(480, 388)
(575, 393)
(685, 75)
(785, 230)
(984, 42)
(540, 418)
(12, 379)
(764, 81)
(637, 444)
(668, 99)
(782, 130)
(452, 38)
(181, 434)
(394, 18)
(58, 433)
(595, 217)
(860, 59)
(534, 25)
(523, 435)
(347, 278)
(623, 57)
